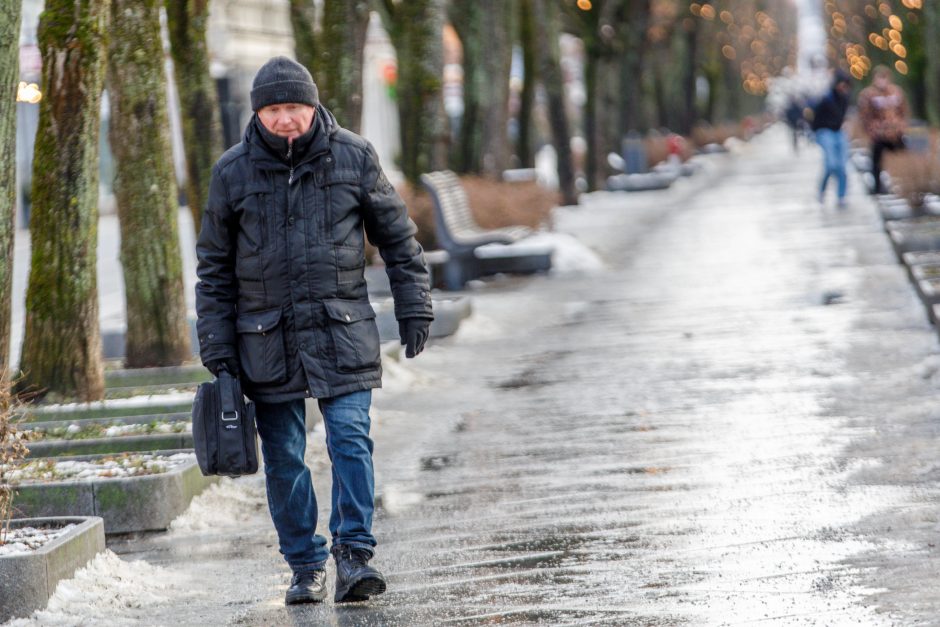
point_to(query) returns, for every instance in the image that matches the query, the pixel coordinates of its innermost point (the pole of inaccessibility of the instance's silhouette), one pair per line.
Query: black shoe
(355, 579)
(307, 587)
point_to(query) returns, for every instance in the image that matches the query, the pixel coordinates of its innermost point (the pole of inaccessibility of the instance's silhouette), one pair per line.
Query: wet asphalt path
(732, 424)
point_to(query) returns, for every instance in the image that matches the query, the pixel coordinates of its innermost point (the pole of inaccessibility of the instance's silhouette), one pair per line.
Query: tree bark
(62, 345)
(334, 53)
(546, 23)
(932, 39)
(487, 41)
(199, 103)
(632, 64)
(157, 332)
(9, 73)
(416, 29)
(303, 21)
(527, 97)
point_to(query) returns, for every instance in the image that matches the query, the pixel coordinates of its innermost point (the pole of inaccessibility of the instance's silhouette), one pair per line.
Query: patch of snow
(25, 539)
(106, 588)
(117, 466)
(569, 255)
(478, 327)
(230, 502)
(175, 398)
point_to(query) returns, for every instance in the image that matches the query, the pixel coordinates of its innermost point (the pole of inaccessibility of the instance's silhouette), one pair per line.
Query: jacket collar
(269, 152)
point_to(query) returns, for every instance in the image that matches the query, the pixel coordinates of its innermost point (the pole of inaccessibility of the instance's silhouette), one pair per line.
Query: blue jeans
(291, 498)
(835, 148)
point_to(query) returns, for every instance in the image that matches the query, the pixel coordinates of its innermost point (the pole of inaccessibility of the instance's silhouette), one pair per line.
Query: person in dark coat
(828, 118)
(282, 301)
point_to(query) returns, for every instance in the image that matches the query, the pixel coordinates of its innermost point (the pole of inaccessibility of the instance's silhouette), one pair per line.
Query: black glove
(413, 333)
(229, 364)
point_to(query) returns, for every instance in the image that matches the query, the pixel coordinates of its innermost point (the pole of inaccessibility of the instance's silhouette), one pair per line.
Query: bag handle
(228, 391)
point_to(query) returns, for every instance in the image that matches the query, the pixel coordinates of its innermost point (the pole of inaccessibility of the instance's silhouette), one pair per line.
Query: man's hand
(414, 333)
(229, 364)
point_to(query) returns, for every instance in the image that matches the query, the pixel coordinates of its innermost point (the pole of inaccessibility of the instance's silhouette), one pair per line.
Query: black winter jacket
(281, 261)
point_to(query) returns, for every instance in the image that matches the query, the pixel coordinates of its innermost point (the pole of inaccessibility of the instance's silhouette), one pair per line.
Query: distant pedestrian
(794, 115)
(883, 111)
(828, 118)
(282, 300)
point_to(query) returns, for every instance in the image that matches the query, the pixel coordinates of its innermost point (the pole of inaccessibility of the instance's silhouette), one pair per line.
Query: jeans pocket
(355, 334)
(261, 346)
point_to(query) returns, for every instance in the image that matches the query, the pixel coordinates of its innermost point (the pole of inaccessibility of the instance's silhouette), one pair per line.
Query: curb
(29, 579)
(128, 504)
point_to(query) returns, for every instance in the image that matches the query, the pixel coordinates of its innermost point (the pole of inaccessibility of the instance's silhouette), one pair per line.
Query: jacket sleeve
(217, 290)
(390, 229)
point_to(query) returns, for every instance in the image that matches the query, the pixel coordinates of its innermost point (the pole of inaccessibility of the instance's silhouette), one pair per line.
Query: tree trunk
(416, 29)
(199, 106)
(464, 16)
(334, 53)
(157, 332)
(495, 64)
(302, 20)
(689, 115)
(932, 79)
(546, 22)
(62, 345)
(9, 73)
(632, 67)
(527, 96)
(591, 68)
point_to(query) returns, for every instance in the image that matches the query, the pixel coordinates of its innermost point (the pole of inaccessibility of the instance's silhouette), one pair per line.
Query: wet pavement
(733, 423)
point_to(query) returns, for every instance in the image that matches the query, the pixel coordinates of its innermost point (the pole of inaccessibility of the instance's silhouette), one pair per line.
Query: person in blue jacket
(828, 118)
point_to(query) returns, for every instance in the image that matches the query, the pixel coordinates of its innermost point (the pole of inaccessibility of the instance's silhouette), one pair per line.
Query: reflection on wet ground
(732, 424)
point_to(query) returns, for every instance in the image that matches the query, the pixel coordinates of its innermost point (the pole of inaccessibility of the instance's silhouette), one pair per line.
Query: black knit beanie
(282, 80)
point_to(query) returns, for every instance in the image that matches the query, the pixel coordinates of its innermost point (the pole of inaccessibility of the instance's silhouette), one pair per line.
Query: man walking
(282, 301)
(883, 111)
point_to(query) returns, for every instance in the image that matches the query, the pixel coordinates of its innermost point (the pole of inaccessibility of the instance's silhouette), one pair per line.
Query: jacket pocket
(355, 335)
(261, 346)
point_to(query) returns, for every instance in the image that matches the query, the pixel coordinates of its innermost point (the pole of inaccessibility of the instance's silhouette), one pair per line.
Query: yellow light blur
(901, 67)
(708, 12)
(28, 93)
(896, 23)
(584, 5)
(729, 52)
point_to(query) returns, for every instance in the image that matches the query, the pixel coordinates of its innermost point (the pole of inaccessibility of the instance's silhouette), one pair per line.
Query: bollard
(634, 153)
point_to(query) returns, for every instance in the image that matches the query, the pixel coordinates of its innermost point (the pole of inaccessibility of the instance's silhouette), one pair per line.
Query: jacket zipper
(290, 157)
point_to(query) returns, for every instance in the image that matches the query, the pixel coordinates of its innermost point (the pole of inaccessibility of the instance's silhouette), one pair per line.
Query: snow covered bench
(474, 251)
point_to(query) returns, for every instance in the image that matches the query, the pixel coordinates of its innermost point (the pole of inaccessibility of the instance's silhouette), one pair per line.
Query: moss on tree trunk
(9, 72)
(157, 333)
(416, 30)
(62, 345)
(199, 107)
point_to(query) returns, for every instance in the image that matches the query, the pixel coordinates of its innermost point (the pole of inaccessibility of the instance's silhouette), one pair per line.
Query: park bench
(473, 251)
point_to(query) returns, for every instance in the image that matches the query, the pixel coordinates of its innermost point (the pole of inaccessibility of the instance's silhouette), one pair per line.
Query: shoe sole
(361, 590)
(304, 598)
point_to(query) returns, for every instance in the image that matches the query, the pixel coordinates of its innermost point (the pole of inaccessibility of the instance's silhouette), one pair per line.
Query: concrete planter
(907, 239)
(27, 580)
(925, 271)
(893, 208)
(115, 444)
(127, 504)
(448, 314)
(929, 291)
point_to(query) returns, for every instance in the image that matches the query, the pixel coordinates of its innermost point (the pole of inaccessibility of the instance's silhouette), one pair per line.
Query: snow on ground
(106, 585)
(228, 502)
(24, 539)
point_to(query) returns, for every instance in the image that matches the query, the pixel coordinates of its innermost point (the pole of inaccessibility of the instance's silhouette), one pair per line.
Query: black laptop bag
(224, 432)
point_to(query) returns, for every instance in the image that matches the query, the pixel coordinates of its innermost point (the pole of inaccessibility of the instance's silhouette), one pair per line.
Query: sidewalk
(734, 422)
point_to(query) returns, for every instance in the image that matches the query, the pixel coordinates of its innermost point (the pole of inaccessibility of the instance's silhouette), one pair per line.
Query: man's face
(290, 120)
(882, 81)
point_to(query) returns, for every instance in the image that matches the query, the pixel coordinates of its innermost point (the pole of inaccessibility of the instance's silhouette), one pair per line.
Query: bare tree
(9, 71)
(549, 66)
(199, 103)
(416, 28)
(62, 345)
(157, 332)
(334, 54)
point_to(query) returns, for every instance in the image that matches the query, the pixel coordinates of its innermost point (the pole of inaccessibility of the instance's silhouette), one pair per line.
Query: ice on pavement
(106, 592)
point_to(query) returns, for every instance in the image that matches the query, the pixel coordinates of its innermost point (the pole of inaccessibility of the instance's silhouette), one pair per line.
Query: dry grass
(12, 451)
(916, 174)
(493, 204)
